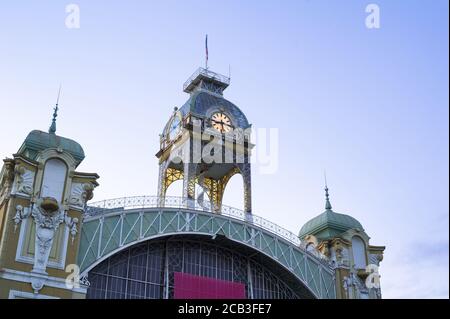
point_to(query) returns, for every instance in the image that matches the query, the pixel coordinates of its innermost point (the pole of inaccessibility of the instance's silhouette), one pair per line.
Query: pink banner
(189, 286)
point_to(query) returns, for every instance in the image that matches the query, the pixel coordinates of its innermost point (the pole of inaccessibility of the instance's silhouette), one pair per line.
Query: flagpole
(206, 52)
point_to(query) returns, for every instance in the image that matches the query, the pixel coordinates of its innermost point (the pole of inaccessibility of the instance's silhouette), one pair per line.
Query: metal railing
(124, 203)
(207, 73)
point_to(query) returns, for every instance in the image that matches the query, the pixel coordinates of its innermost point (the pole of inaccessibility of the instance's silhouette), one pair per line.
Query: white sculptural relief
(76, 195)
(46, 226)
(47, 222)
(23, 182)
(80, 193)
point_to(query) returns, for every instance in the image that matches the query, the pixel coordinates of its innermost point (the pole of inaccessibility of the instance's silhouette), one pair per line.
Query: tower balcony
(217, 82)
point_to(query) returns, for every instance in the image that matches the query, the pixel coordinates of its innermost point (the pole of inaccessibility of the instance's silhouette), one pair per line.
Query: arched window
(359, 252)
(54, 178)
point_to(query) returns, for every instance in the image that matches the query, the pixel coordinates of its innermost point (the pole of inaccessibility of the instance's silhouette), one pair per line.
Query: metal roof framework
(116, 226)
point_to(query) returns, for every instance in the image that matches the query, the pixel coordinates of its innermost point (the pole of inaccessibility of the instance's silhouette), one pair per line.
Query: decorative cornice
(83, 174)
(26, 159)
(50, 281)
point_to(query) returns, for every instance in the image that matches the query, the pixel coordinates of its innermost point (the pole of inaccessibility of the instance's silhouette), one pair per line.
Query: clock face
(174, 127)
(221, 122)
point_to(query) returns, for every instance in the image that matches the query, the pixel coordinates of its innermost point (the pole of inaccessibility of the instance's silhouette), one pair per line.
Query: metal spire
(327, 196)
(52, 128)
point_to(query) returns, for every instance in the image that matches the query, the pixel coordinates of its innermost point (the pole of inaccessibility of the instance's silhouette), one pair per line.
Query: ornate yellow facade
(42, 199)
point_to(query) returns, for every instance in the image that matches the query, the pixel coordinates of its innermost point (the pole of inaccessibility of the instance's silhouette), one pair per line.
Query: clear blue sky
(369, 106)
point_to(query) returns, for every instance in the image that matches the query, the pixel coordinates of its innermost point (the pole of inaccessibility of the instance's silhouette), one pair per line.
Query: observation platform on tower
(202, 74)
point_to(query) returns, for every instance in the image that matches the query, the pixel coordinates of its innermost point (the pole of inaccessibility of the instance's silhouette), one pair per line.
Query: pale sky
(368, 105)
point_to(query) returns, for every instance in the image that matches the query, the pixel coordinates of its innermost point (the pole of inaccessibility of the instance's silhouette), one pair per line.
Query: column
(162, 184)
(190, 170)
(245, 169)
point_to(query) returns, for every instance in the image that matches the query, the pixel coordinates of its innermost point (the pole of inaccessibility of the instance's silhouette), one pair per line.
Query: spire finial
(327, 196)
(52, 128)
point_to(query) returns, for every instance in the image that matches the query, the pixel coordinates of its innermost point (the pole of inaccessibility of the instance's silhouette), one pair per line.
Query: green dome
(38, 141)
(329, 224)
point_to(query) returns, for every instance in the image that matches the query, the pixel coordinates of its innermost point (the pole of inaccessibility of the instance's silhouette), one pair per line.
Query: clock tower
(205, 143)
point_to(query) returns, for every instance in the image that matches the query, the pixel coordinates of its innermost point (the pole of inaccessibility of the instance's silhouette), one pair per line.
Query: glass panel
(116, 288)
(137, 268)
(154, 291)
(97, 289)
(118, 265)
(136, 290)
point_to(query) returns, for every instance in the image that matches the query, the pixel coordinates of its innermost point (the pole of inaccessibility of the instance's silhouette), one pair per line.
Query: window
(139, 272)
(359, 252)
(54, 179)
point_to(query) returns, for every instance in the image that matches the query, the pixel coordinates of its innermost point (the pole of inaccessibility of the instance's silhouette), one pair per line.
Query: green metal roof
(329, 224)
(38, 141)
(107, 233)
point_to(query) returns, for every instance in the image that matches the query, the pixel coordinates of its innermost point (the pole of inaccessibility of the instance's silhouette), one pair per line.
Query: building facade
(56, 243)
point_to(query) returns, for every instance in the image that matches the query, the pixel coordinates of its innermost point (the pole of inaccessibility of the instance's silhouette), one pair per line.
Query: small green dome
(329, 224)
(38, 141)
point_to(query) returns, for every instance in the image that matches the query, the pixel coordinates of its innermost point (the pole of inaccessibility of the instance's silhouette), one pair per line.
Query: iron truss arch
(109, 228)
